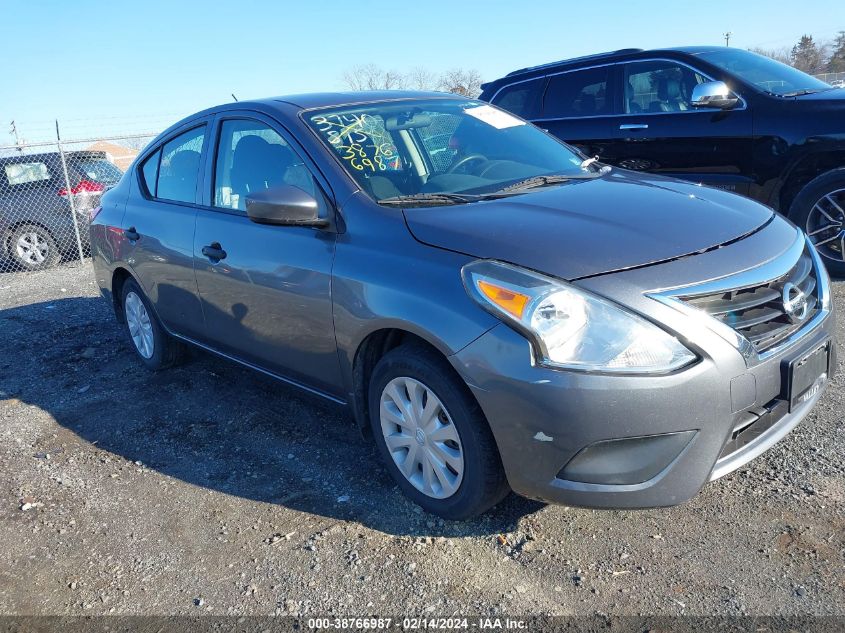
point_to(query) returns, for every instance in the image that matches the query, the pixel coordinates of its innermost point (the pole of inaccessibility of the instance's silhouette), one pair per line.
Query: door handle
(634, 126)
(131, 234)
(214, 252)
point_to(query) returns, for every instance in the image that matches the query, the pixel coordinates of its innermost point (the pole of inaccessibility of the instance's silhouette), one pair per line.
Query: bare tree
(778, 54)
(460, 81)
(420, 78)
(372, 77)
(466, 82)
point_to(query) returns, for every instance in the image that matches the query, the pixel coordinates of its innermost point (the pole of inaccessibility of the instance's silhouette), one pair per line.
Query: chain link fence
(48, 191)
(831, 78)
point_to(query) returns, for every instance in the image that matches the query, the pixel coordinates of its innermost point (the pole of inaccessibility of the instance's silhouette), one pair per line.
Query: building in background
(121, 156)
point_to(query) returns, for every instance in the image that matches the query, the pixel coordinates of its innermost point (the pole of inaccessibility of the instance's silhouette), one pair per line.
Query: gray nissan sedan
(498, 311)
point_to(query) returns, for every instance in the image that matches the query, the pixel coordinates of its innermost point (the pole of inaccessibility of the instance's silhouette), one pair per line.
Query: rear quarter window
(26, 173)
(149, 172)
(520, 98)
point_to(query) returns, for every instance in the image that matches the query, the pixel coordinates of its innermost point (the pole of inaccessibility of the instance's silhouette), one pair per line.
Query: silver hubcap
(826, 225)
(32, 248)
(140, 327)
(421, 437)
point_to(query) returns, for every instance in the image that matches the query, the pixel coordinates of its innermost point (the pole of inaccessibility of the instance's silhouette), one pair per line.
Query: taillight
(83, 188)
(95, 212)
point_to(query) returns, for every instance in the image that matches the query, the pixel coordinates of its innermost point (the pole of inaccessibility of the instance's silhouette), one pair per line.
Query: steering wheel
(463, 161)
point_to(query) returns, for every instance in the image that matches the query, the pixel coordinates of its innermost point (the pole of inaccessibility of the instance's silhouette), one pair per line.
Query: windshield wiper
(443, 197)
(806, 91)
(552, 179)
(430, 198)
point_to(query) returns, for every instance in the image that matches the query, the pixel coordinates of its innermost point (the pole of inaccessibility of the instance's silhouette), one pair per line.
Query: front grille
(758, 312)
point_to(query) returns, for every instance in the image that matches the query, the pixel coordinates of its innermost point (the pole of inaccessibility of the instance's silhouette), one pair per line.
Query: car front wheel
(433, 436)
(819, 209)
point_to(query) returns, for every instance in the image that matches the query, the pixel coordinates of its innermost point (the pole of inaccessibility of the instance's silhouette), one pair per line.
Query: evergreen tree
(807, 56)
(836, 64)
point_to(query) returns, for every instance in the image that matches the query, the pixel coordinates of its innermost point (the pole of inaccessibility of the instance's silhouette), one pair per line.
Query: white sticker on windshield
(492, 116)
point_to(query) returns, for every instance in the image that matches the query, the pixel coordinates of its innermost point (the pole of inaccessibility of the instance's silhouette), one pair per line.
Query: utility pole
(728, 38)
(13, 130)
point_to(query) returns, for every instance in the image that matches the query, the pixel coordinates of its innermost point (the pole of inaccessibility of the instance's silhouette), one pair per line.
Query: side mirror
(285, 205)
(713, 94)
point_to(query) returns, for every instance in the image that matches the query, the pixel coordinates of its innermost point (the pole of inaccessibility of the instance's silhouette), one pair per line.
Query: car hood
(837, 95)
(588, 227)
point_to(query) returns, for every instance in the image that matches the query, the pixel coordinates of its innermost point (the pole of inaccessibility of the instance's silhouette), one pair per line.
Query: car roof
(618, 55)
(308, 101)
(332, 99)
(45, 156)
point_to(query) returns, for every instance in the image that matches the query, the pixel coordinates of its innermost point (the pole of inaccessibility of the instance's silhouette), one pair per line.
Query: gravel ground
(210, 489)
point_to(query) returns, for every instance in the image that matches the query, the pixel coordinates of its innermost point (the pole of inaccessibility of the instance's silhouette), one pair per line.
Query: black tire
(41, 252)
(166, 351)
(802, 207)
(483, 483)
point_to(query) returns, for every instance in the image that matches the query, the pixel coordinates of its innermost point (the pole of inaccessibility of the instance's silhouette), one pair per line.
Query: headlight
(569, 327)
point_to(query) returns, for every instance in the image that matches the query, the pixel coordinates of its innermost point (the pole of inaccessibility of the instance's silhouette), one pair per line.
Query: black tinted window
(578, 93)
(149, 171)
(520, 98)
(180, 165)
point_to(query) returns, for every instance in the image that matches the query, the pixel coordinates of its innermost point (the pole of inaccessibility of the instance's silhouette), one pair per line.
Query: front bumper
(728, 410)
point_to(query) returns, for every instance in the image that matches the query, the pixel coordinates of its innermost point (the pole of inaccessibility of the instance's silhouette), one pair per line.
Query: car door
(576, 107)
(158, 228)
(658, 129)
(265, 289)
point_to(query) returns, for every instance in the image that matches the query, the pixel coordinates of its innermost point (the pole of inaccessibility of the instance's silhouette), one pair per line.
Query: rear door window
(521, 98)
(579, 93)
(179, 169)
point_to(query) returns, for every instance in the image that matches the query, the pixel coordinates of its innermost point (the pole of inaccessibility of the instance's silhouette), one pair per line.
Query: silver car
(498, 311)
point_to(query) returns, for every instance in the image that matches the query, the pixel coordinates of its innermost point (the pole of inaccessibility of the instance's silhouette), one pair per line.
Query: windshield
(441, 147)
(767, 74)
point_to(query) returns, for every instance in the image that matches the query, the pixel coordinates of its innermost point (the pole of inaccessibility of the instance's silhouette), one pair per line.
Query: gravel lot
(210, 489)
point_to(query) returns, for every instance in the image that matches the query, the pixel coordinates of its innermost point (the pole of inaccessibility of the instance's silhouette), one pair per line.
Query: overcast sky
(103, 66)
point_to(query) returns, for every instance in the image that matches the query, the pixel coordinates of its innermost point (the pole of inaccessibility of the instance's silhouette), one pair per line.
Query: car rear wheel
(156, 349)
(433, 436)
(32, 247)
(819, 209)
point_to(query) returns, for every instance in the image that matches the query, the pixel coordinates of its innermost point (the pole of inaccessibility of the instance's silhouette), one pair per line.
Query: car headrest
(184, 161)
(668, 89)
